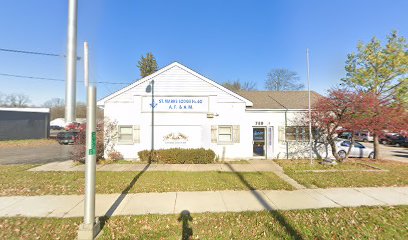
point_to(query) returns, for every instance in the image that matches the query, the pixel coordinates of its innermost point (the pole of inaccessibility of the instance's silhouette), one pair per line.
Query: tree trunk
(350, 147)
(334, 149)
(376, 143)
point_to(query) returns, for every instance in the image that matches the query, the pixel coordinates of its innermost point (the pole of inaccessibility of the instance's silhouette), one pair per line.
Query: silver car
(357, 150)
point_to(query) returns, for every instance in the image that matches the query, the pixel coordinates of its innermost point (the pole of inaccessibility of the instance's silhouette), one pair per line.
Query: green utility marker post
(92, 150)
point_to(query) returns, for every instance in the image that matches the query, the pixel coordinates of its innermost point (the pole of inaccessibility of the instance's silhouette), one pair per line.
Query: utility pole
(86, 64)
(310, 111)
(70, 87)
(91, 226)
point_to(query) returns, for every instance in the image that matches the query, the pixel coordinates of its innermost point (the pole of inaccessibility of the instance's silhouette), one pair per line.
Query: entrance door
(258, 141)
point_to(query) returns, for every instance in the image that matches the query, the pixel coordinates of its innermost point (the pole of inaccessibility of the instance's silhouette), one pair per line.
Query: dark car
(345, 135)
(67, 137)
(55, 127)
(394, 139)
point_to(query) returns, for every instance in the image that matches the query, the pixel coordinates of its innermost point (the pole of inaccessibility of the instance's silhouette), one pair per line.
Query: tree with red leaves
(370, 112)
(332, 112)
(380, 72)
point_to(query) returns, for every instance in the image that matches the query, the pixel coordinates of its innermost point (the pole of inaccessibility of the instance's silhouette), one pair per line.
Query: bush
(178, 155)
(115, 156)
(78, 153)
(105, 135)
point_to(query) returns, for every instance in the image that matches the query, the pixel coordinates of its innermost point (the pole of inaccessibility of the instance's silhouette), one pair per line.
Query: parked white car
(357, 150)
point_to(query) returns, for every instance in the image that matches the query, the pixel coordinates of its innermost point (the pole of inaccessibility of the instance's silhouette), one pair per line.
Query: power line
(35, 53)
(54, 79)
(31, 77)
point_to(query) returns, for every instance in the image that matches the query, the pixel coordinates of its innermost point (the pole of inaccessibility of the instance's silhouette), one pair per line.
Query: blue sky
(223, 40)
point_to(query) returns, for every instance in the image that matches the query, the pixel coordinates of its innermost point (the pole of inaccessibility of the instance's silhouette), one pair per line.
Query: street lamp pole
(91, 227)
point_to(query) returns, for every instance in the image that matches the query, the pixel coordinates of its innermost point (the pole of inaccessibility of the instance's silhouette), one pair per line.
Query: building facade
(177, 107)
(24, 123)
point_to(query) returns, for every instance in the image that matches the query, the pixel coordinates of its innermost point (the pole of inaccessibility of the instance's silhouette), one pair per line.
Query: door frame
(265, 156)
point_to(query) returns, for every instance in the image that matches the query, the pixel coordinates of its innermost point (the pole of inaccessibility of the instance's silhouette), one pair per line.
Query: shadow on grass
(275, 214)
(122, 196)
(185, 217)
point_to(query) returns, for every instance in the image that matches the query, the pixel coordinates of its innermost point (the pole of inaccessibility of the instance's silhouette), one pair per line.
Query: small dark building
(24, 123)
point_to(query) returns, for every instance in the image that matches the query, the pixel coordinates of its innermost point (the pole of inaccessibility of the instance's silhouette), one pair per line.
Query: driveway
(35, 155)
(388, 152)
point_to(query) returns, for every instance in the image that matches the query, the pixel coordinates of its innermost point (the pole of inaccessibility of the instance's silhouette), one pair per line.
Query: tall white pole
(86, 64)
(91, 227)
(70, 88)
(90, 161)
(309, 107)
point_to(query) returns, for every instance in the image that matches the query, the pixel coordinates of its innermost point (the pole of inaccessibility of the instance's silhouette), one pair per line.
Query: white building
(177, 107)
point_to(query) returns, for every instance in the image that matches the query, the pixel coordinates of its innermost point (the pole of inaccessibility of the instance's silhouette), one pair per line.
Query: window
(290, 134)
(225, 134)
(297, 134)
(358, 145)
(125, 134)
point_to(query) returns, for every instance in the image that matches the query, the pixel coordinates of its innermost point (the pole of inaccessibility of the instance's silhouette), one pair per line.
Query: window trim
(231, 134)
(301, 134)
(127, 142)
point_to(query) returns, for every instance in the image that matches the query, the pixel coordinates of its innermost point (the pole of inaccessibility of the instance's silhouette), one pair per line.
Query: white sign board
(177, 137)
(175, 104)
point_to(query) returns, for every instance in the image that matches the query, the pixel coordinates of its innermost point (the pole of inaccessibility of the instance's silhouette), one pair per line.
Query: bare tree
(54, 102)
(57, 109)
(238, 86)
(281, 79)
(248, 86)
(2, 99)
(16, 100)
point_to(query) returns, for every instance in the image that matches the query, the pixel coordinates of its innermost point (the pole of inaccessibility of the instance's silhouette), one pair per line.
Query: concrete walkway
(66, 206)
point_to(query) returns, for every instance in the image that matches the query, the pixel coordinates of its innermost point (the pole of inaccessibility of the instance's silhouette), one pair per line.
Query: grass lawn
(343, 223)
(15, 180)
(27, 143)
(396, 176)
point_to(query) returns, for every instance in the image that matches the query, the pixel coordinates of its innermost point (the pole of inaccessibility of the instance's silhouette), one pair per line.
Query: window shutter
(235, 133)
(281, 133)
(214, 135)
(136, 134)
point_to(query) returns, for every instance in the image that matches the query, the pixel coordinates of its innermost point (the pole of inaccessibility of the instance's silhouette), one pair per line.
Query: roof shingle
(279, 99)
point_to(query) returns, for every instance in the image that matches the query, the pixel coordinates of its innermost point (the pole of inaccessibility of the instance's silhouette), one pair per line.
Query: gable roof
(280, 99)
(168, 67)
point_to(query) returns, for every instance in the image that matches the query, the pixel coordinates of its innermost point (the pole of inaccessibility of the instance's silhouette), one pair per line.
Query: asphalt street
(399, 154)
(35, 155)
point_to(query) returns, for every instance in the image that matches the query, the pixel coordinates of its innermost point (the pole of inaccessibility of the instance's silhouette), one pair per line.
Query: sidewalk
(66, 206)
